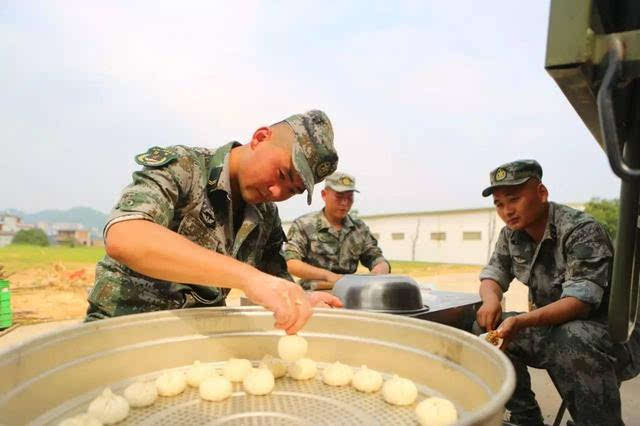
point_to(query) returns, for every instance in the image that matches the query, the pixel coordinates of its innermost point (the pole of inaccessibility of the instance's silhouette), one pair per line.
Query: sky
(425, 97)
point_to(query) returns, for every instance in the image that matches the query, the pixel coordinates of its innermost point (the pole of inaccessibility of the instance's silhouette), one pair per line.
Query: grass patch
(19, 257)
(426, 268)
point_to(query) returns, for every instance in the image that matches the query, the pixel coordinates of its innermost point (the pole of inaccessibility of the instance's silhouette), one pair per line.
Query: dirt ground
(58, 293)
(54, 294)
(51, 294)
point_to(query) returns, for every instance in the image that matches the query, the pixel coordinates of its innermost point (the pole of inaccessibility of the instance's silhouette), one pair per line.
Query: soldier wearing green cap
(196, 222)
(324, 245)
(564, 256)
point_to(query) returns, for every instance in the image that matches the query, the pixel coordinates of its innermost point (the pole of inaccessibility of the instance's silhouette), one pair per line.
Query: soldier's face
(269, 174)
(521, 206)
(337, 204)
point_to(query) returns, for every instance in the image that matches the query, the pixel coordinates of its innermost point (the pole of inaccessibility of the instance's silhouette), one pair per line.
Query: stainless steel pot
(398, 294)
(57, 375)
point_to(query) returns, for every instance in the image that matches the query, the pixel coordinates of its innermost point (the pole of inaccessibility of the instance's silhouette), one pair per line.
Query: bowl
(379, 293)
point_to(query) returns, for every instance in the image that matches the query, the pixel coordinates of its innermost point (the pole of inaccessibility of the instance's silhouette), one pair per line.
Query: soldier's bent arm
(309, 272)
(157, 252)
(295, 252)
(490, 290)
(371, 256)
(558, 312)
(499, 269)
(588, 259)
(297, 245)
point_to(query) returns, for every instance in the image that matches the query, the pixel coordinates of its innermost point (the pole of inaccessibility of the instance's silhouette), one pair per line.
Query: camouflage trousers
(583, 363)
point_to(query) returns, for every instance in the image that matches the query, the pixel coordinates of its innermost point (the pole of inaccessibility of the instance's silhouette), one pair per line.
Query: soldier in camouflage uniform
(563, 255)
(324, 245)
(196, 222)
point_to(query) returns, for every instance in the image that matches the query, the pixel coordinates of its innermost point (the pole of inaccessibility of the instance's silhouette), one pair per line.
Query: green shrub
(606, 212)
(34, 237)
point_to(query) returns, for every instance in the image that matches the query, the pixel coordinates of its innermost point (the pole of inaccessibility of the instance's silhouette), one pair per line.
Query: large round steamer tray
(56, 376)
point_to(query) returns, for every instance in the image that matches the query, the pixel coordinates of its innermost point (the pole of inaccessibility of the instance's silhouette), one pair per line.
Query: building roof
(438, 212)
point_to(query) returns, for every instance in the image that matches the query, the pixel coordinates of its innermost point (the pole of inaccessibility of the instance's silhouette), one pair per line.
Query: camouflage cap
(513, 173)
(313, 154)
(341, 182)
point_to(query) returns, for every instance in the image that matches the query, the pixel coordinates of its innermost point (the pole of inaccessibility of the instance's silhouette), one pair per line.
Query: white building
(465, 236)
(9, 226)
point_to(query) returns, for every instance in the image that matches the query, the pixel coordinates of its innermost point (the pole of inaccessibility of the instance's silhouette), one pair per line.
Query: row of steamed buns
(110, 408)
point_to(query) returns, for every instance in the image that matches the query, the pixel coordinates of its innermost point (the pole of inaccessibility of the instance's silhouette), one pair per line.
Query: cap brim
(302, 167)
(489, 190)
(340, 188)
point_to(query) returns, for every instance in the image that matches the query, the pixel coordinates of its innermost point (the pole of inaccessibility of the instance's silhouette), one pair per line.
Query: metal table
(452, 308)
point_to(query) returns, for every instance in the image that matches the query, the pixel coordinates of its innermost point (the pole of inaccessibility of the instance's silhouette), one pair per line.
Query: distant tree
(34, 237)
(606, 212)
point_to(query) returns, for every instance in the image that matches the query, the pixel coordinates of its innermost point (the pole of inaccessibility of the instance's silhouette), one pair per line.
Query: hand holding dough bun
(141, 394)
(236, 369)
(303, 369)
(109, 408)
(215, 388)
(171, 383)
(436, 412)
(292, 347)
(259, 381)
(399, 391)
(366, 380)
(337, 374)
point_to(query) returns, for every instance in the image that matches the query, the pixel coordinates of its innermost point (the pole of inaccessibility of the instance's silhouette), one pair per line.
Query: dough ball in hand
(399, 391)
(215, 388)
(366, 380)
(141, 394)
(259, 381)
(303, 369)
(436, 412)
(198, 372)
(109, 408)
(236, 369)
(81, 420)
(171, 383)
(337, 374)
(292, 347)
(276, 365)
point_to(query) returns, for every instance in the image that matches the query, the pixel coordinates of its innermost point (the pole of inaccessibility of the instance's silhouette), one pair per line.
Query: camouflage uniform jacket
(313, 240)
(573, 259)
(188, 191)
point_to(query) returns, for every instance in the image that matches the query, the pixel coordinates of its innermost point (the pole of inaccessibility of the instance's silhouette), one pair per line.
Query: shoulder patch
(156, 157)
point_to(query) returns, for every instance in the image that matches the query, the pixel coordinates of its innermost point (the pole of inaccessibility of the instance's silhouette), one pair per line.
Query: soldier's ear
(543, 193)
(259, 136)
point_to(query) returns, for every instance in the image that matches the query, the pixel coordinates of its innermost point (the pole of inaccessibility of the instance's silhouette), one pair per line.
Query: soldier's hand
(321, 299)
(508, 330)
(332, 277)
(380, 268)
(489, 314)
(287, 301)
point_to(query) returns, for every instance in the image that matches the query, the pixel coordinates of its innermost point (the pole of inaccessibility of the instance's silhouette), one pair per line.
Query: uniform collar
(550, 232)
(219, 181)
(323, 222)
(219, 178)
